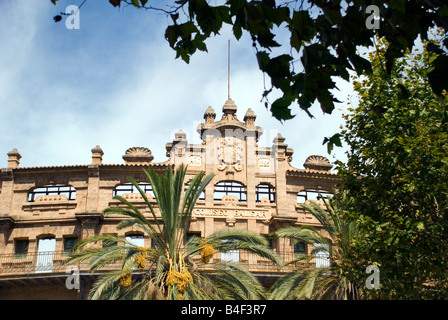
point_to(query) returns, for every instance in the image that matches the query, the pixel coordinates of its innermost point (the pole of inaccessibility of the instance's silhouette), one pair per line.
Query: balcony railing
(54, 262)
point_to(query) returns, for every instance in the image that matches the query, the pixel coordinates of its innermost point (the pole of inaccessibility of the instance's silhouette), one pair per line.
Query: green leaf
(237, 30)
(263, 60)
(334, 140)
(303, 25)
(280, 108)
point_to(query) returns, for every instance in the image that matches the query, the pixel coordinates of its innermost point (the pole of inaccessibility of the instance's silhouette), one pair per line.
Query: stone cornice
(312, 174)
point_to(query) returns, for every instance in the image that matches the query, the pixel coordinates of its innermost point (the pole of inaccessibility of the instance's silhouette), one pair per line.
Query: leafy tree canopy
(395, 177)
(323, 38)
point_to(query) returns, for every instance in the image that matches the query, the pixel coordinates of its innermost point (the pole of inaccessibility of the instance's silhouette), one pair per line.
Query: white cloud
(115, 83)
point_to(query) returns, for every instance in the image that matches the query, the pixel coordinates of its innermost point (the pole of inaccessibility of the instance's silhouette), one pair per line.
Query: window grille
(230, 188)
(305, 195)
(69, 244)
(201, 196)
(265, 190)
(300, 248)
(130, 188)
(54, 189)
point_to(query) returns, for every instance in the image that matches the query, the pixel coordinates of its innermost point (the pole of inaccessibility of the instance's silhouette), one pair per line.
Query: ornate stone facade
(254, 188)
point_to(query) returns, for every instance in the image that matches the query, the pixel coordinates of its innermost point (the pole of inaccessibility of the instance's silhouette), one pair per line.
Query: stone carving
(56, 197)
(316, 162)
(230, 151)
(136, 196)
(138, 155)
(228, 213)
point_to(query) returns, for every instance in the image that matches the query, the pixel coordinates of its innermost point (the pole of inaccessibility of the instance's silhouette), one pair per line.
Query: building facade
(44, 211)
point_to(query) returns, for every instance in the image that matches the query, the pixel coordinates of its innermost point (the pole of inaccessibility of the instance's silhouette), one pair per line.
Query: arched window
(201, 196)
(130, 188)
(136, 239)
(265, 190)
(52, 189)
(230, 188)
(312, 194)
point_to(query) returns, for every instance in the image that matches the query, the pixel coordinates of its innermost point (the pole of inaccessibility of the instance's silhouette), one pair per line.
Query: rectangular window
(300, 248)
(109, 243)
(322, 255)
(230, 255)
(21, 249)
(192, 235)
(45, 253)
(69, 244)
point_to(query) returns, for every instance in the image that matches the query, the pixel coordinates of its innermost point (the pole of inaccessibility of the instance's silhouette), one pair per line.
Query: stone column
(251, 162)
(279, 148)
(7, 194)
(89, 223)
(6, 224)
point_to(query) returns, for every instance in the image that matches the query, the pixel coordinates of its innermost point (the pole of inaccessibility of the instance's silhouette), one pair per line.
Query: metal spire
(228, 71)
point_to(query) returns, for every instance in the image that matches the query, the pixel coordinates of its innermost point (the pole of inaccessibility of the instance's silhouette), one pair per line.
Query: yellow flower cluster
(125, 280)
(179, 278)
(140, 258)
(207, 253)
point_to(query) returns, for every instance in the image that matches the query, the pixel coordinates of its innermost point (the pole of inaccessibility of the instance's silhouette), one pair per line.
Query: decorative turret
(249, 118)
(283, 152)
(97, 155)
(229, 111)
(178, 145)
(209, 115)
(14, 158)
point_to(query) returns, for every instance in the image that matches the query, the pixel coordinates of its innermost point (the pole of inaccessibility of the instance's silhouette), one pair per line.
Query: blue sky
(115, 82)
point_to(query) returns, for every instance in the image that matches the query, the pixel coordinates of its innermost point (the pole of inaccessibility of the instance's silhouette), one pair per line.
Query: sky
(115, 82)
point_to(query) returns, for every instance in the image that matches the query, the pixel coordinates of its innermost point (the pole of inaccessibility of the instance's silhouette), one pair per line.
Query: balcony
(46, 264)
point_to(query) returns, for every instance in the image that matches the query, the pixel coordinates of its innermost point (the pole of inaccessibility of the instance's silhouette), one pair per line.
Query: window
(232, 255)
(322, 255)
(45, 252)
(270, 241)
(21, 249)
(69, 244)
(136, 239)
(201, 196)
(130, 188)
(109, 243)
(193, 236)
(300, 248)
(265, 190)
(53, 189)
(230, 188)
(305, 195)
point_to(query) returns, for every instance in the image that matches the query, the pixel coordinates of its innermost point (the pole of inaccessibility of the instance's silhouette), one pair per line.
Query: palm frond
(233, 282)
(107, 287)
(303, 234)
(283, 288)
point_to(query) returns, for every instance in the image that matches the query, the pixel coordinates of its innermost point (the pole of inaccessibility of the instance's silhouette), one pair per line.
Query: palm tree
(172, 269)
(320, 283)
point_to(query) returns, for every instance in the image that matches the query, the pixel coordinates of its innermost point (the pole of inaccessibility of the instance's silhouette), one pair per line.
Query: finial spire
(228, 70)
